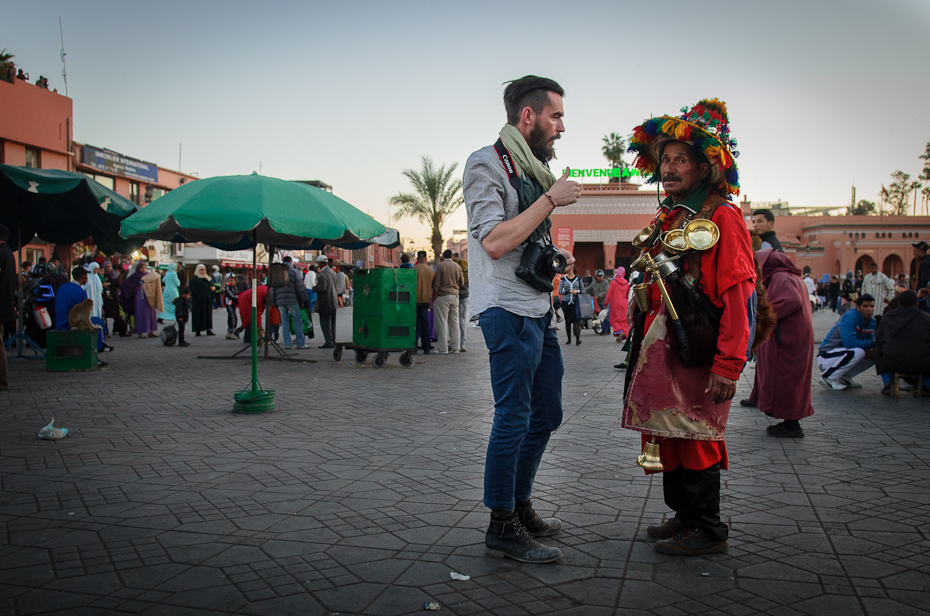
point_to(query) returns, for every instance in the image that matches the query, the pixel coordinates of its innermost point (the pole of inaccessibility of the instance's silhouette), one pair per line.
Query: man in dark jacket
(923, 264)
(7, 298)
(902, 343)
(326, 301)
(288, 300)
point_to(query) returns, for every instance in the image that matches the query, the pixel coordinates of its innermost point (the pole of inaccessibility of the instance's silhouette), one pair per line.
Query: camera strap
(543, 230)
(509, 167)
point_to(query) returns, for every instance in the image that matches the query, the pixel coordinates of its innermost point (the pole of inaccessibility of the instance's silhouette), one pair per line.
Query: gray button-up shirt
(489, 200)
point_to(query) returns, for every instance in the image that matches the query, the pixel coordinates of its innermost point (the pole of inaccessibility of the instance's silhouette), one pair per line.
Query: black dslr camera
(539, 266)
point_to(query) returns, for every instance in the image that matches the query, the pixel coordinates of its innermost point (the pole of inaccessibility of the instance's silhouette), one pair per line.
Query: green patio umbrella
(62, 207)
(237, 212)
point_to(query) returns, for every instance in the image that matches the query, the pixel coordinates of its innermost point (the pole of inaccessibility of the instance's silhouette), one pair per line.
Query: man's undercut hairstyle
(530, 91)
(766, 214)
(865, 297)
(907, 298)
(78, 272)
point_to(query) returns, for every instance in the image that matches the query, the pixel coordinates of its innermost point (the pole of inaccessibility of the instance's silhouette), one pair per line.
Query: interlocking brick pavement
(363, 491)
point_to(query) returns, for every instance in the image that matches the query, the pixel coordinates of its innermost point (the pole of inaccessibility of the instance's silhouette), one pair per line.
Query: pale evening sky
(822, 95)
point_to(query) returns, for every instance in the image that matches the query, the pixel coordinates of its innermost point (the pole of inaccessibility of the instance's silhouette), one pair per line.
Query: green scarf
(523, 157)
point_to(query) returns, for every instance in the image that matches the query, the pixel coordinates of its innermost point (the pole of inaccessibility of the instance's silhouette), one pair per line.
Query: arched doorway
(893, 265)
(862, 264)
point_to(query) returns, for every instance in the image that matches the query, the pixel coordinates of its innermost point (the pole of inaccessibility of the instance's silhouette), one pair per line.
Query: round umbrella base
(253, 402)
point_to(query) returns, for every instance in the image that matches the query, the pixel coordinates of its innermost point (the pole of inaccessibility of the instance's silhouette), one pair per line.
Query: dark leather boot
(535, 525)
(667, 529)
(691, 541)
(509, 538)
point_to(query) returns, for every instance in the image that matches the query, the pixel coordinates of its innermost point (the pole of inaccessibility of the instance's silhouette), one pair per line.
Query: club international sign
(110, 162)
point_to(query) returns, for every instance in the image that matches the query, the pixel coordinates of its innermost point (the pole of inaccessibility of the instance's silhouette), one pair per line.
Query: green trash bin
(385, 308)
(70, 350)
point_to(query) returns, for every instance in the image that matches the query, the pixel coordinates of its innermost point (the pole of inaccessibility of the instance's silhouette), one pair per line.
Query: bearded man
(679, 393)
(509, 193)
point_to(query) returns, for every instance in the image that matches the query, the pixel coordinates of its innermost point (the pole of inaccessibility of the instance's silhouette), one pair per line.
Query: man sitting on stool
(847, 349)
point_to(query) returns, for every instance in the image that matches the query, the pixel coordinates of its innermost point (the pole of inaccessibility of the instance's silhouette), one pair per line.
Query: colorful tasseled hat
(705, 127)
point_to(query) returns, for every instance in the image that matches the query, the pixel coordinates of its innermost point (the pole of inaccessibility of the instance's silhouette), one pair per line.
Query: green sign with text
(603, 173)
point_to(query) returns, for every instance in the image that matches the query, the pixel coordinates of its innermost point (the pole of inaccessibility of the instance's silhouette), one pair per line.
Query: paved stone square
(363, 492)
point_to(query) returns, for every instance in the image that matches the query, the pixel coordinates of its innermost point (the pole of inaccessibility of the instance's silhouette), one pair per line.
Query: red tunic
(729, 287)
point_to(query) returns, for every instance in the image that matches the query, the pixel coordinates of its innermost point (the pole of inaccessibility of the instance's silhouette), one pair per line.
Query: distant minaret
(853, 204)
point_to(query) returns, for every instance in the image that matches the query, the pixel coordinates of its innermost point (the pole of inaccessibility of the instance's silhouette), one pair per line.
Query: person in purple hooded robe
(783, 364)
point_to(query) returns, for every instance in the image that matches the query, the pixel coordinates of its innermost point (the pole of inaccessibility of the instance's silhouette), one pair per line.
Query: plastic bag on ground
(51, 433)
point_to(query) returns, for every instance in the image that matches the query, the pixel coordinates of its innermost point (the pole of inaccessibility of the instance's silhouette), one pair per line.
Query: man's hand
(921, 293)
(720, 388)
(569, 258)
(868, 354)
(564, 191)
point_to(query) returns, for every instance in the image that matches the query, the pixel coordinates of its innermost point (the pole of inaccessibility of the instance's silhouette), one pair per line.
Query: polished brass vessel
(651, 458)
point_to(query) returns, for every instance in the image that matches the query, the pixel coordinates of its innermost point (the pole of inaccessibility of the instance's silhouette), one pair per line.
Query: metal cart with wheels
(380, 357)
(383, 316)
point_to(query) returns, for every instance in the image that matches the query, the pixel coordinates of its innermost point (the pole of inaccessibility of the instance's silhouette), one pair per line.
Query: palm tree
(435, 199)
(614, 147)
(5, 62)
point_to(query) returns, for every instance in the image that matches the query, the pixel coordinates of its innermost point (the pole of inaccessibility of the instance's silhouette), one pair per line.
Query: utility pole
(64, 67)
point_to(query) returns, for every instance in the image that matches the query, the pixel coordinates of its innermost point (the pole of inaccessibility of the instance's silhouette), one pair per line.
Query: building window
(101, 179)
(134, 192)
(32, 158)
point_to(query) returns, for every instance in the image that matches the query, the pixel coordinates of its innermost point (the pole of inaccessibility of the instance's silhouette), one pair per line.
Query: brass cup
(647, 237)
(651, 458)
(701, 234)
(640, 264)
(674, 242)
(641, 293)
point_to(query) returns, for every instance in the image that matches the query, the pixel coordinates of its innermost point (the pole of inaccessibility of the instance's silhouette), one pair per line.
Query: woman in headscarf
(202, 301)
(148, 304)
(130, 289)
(618, 294)
(172, 288)
(94, 289)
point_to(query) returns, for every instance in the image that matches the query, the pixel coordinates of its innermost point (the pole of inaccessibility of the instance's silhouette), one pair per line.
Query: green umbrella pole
(255, 400)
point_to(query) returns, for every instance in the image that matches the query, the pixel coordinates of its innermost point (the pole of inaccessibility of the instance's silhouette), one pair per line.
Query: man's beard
(537, 143)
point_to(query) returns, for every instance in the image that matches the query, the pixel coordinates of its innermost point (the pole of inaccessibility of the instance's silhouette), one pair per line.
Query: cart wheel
(337, 353)
(406, 360)
(379, 360)
(361, 356)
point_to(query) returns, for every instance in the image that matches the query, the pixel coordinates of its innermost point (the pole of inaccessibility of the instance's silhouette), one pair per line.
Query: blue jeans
(292, 310)
(526, 378)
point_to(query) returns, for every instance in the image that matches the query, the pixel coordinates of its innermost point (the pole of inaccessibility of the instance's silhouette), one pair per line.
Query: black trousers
(695, 498)
(232, 321)
(328, 327)
(423, 327)
(572, 322)
(181, 325)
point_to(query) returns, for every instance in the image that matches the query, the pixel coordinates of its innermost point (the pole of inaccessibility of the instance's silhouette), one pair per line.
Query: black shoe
(748, 402)
(569, 341)
(785, 430)
(621, 366)
(886, 389)
(196, 333)
(106, 349)
(577, 341)
(210, 333)
(102, 364)
(667, 529)
(691, 541)
(535, 525)
(509, 538)
(184, 344)
(327, 346)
